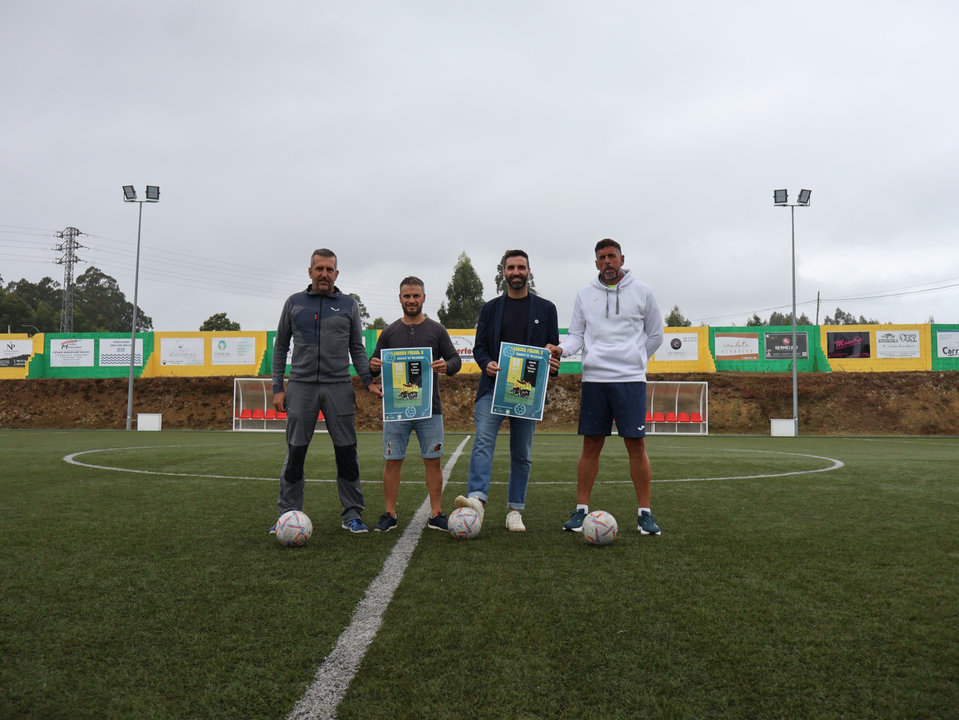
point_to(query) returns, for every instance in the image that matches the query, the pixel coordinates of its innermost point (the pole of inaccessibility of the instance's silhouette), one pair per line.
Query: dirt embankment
(919, 403)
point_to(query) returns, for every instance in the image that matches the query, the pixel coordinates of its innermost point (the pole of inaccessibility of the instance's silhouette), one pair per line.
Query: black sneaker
(386, 523)
(440, 522)
(575, 522)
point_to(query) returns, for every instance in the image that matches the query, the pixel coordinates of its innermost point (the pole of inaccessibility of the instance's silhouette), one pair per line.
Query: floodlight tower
(781, 199)
(130, 195)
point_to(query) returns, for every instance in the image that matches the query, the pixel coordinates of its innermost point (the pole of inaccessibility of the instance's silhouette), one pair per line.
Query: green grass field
(783, 586)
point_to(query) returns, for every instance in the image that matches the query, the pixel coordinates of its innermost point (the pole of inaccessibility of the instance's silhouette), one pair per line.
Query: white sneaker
(469, 502)
(514, 521)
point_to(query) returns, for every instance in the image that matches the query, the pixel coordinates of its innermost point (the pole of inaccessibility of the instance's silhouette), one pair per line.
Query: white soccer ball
(464, 523)
(293, 528)
(599, 528)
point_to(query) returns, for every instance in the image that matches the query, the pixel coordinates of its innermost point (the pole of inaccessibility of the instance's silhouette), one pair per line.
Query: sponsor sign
(738, 346)
(678, 346)
(181, 351)
(779, 346)
(947, 344)
(73, 352)
(407, 383)
(232, 350)
(897, 343)
(464, 347)
(848, 345)
(116, 351)
(15, 353)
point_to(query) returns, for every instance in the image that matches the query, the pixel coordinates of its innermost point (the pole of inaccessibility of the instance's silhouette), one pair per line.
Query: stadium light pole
(130, 195)
(781, 199)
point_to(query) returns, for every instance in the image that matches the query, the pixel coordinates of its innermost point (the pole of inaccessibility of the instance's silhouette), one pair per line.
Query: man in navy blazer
(520, 317)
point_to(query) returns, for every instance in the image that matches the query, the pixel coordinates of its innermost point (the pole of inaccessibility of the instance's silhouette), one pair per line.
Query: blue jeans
(481, 459)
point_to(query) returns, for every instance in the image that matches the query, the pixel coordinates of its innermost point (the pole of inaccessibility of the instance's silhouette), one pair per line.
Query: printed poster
(73, 352)
(779, 346)
(407, 384)
(847, 345)
(897, 344)
(520, 387)
(15, 353)
(233, 350)
(737, 346)
(679, 347)
(116, 351)
(181, 351)
(947, 344)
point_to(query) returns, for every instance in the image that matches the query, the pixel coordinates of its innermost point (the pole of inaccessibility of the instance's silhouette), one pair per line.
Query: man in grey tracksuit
(326, 330)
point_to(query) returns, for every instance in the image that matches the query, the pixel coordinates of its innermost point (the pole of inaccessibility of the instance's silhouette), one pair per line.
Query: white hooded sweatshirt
(618, 328)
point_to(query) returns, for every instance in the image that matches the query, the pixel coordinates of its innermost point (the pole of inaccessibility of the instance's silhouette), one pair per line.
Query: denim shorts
(601, 403)
(429, 431)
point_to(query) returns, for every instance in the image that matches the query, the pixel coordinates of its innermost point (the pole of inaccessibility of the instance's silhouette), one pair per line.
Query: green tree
(464, 295)
(501, 281)
(377, 324)
(755, 321)
(844, 318)
(219, 322)
(676, 318)
(100, 306)
(26, 303)
(364, 313)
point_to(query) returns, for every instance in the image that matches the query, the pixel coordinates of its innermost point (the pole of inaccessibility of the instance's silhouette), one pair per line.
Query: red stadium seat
(258, 414)
(695, 417)
(659, 417)
(649, 416)
(281, 416)
(270, 414)
(684, 417)
(245, 414)
(671, 417)
(320, 416)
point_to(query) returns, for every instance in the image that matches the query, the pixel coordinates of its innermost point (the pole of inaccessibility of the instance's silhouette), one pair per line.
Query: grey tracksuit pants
(304, 401)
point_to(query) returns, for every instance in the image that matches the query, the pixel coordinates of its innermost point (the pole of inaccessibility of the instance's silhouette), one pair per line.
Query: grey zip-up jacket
(327, 332)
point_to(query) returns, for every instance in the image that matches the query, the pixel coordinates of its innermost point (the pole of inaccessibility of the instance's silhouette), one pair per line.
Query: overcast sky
(401, 134)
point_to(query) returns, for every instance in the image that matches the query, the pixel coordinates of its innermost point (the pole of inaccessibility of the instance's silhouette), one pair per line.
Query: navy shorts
(601, 403)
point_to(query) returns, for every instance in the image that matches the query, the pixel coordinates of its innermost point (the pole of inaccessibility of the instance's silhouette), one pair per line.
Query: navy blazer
(542, 328)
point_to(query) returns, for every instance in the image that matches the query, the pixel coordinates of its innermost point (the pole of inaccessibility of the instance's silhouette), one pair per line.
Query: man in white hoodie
(618, 325)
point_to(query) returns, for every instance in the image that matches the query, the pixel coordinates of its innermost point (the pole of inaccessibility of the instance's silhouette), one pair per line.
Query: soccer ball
(464, 523)
(293, 528)
(599, 528)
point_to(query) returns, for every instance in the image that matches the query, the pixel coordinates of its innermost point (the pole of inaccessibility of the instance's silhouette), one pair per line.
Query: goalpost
(253, 407)
(677, 408)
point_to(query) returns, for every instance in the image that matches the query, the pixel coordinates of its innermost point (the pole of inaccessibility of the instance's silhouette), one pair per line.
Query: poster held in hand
(520, 389)
(407, 384)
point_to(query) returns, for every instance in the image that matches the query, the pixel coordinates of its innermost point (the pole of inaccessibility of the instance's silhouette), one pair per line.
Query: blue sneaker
(440, 522)
(386, 523)
(356, 525)
(272, 530)
(575, 522)
(646, 524)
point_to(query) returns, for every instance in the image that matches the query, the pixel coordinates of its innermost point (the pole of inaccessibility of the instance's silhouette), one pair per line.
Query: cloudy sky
(401, 134)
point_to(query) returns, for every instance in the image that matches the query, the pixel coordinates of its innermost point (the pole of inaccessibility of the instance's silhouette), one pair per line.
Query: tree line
(100, 306)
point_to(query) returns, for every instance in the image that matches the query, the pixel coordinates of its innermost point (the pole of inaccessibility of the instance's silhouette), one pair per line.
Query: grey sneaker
(272, 530)
(386, 523)
(439, 522)
(471, 502)
(646, 524)
(575, 522)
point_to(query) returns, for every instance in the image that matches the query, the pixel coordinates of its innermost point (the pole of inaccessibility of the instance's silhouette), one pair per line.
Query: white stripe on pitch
(333, 677)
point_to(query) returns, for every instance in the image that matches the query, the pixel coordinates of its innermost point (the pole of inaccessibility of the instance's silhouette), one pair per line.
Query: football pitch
(795, 578)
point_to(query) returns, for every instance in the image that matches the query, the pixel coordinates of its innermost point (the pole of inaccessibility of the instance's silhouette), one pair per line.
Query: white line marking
(333, 677)
(834, 465)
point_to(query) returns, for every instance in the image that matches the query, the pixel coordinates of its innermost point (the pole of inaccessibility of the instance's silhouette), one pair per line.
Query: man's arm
(482, 350)
(447, 353)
